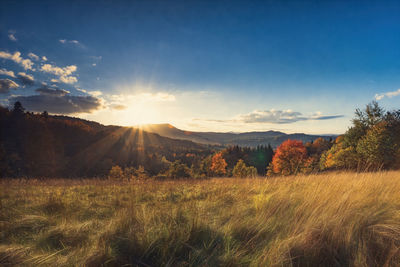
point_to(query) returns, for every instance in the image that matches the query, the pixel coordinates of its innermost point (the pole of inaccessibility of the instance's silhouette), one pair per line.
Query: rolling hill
(251, 139)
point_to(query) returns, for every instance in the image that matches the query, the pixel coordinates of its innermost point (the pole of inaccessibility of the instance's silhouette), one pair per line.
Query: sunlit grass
(334, 219)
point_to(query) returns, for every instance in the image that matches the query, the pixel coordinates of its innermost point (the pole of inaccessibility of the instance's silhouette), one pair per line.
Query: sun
(141, 113)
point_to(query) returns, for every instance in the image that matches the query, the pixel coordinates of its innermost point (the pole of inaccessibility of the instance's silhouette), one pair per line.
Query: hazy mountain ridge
(251, 139)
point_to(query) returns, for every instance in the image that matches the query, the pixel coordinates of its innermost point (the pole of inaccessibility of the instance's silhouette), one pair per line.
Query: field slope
(335, 219)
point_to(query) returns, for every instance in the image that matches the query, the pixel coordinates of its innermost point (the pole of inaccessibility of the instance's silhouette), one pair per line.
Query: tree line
(372, 143)
(41, 145)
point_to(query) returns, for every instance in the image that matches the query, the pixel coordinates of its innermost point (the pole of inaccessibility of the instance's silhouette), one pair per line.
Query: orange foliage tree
(314, 151)
(290, 158)
(218, 164)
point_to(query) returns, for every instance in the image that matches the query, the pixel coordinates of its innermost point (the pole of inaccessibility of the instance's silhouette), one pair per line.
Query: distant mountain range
(250, 139)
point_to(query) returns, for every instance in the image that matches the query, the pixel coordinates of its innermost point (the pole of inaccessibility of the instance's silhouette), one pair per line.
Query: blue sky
(295, 66)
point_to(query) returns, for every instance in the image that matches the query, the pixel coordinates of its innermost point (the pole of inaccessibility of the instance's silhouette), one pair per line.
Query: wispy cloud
(6, 85)
(73, 42)
(281, 116)
(51, 91)
(65, 79)
(16, 57)
(7, 73)
(81, 90)
(118, 107)
(33, 56)
(11, 35)
(387, 94)
(94, 93)
(26, 79)
(275, 117)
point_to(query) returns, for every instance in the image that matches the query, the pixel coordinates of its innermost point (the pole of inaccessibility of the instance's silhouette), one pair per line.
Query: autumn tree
(259, 157)
(116, 173)
(371, 143)
(130, 173)
(178, 170)
(141, 173)
(314, 151)
(218, 164)
(377, 148)
(242, 171)
(251, 172)
(339, 156)
(289, 158)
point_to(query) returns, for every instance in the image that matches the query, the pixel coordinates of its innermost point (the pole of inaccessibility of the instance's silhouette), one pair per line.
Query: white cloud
(95, 93)
(44, 58)
(387, 94)
(59, 71)
(281, 116)
(66, 79)
(12, 37)
(7, 72)
(33, 56)
(51, 91)
(118, 107)
(74, 42)
(6, 85)
(63, 73)
(81, 90)
(274, 117)
(26, 79)
(16, 57)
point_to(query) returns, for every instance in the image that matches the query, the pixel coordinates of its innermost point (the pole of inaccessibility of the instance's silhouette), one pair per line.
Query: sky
(293, 66)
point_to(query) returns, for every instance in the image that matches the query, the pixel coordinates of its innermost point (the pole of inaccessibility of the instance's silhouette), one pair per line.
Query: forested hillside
(53, 146)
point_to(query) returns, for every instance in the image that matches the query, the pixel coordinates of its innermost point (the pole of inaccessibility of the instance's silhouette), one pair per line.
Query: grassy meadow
(332, 219)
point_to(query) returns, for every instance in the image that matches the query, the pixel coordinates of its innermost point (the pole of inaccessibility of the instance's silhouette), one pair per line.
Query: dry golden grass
(334, 219)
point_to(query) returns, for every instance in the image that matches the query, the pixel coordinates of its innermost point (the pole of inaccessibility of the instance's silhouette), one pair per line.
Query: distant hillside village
(43, 145)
